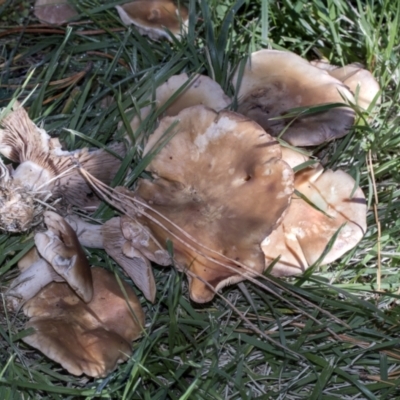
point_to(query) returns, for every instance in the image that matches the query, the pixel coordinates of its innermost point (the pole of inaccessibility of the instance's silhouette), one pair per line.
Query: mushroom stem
(89, 235)
(30, 282)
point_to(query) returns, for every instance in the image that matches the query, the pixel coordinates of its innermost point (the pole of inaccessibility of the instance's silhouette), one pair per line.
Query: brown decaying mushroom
(60, 247)
(359, 80)
(45, 170)
(219, 176)
(201, 90)
(85, 338)
(54, 12)
(153, 17)
(305, 232)
(274, 82)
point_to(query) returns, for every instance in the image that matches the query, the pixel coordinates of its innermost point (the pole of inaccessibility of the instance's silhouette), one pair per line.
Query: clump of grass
(83, 78)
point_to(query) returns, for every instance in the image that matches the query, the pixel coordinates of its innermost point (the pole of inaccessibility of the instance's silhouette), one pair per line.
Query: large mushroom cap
(151, 17)
(305, 231)
(201, 90)
(274, 82)
(85, 338)
(221, 180)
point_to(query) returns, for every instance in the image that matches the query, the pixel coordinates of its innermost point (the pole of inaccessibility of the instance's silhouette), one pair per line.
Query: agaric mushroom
(64, 259)
(359, 80)
(45, 170)
(220, 175)
(202, 90)
(129, 244)
(304, 233)
(274, 82)
(60, 247)
(155, 18)
(85, 338)
(54, 12)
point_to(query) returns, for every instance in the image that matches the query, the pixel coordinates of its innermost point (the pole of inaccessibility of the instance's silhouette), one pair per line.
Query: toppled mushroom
(359, 80)
(202, 90)
(155, 18)
(129, 244)
(220, 175)
(60, 247)
(85, 338)
(275, 82)
(54, 12)
(45, 171)
(305, 231)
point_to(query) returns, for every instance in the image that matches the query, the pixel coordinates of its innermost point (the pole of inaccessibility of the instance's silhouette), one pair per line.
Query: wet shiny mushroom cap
(274, 82)
(151, 17)
(54, 12)
(90, 338)
(219, 176)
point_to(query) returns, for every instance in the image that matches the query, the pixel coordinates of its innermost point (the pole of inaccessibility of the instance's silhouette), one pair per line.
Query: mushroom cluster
(227, 200)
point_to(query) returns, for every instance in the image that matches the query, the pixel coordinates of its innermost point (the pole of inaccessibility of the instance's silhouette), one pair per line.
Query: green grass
(208, 351)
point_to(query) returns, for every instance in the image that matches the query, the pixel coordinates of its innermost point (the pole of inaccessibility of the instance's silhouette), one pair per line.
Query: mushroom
(54, 12)
(359, 80)
(201, 90)
(155, 18)
(219, 175)
(275, 83)
(45, 171)
(90, 338)
(60, 247)
(129, 244)
(306, 230)
(64, 259)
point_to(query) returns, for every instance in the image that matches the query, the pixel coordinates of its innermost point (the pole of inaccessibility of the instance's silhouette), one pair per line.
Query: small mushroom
(305, 231)
(60, 247)
(90, 338)
(275, 83)
(201, 90)
(45, 171)
(359, 80)
(219, 175)
(155, 18)
(54, 12)
(132, 261)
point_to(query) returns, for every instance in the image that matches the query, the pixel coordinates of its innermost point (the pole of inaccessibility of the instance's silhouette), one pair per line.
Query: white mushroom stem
(89, 235)
(30, 282)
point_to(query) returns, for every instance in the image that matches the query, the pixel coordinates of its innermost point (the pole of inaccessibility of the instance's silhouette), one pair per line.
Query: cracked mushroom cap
(45, 168)
(153, 17)
(359, 80)
(274, 82)
(305, 232)
(90, 338)
(220, 175)
(54, 12)
(60, 247)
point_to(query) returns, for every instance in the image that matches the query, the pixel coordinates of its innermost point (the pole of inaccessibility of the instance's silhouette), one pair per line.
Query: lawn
(330, 334)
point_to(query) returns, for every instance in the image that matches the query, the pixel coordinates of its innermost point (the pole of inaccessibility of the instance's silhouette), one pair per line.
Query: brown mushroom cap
(219, 176)
(305, 232)
(359, 80)
(85, 338)
(60, 247)
(274, 82)
(151, 17)
(54, 12)
(202, 90)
